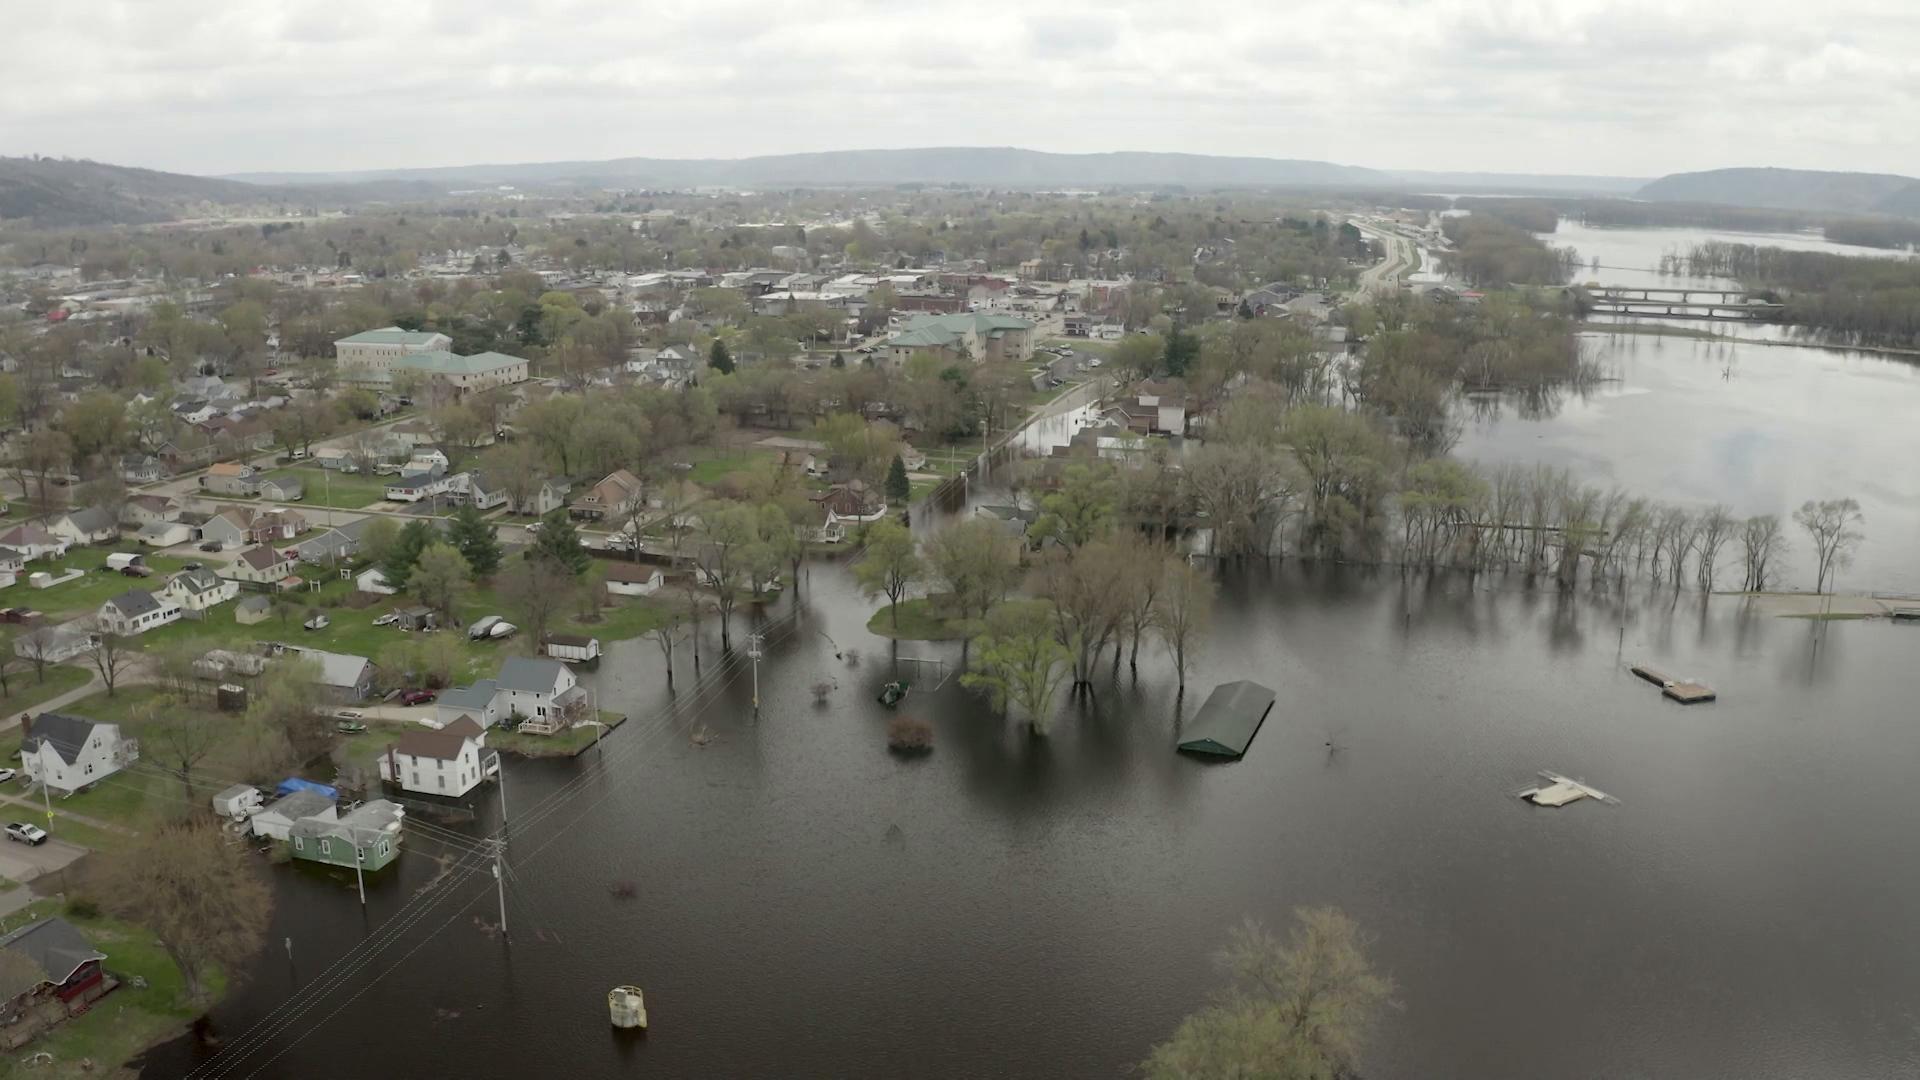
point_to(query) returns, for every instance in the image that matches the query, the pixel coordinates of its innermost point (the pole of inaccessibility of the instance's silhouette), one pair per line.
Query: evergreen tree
(1183, 347)
(474, 537)
(839, 360)
(559, 541)
(719, 359)
(898, 486)
(404, 552)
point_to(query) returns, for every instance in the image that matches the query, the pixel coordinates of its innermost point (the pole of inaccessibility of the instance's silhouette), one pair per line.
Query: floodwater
(806, 904)
(1759, 424)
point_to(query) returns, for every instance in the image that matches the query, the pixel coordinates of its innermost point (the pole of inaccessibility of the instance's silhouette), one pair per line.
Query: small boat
(349, 727)
(482, 627)
(501, 629)
(891, 693)
(626, 1007)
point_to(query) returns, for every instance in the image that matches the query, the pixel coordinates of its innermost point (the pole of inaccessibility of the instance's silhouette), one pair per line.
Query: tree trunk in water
(1133, 653)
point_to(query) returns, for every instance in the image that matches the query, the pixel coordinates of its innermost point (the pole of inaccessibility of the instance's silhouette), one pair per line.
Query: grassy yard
(128, 1020)
(27, 693)
(568, 743)
(708, 471)
(919, 621)
(84, 595)
(348, 492)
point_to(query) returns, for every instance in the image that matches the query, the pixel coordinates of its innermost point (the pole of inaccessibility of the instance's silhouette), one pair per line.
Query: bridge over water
(1678, 303)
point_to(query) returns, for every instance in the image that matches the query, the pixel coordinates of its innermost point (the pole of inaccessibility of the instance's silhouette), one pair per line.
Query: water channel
(806, 904)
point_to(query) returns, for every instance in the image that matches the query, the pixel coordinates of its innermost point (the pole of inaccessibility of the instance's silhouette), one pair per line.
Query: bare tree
(1186, 607)
(181, 740)
(1761, 541)
(1834, 527)
(1715, 530)
(538, 591)
(113, 654)
(1087, 610)
(199, 896)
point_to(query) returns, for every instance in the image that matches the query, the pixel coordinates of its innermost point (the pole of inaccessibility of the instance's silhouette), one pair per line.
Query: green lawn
(348, 491)
(708, 471)
(128, 1020)
(84, 595)
(918, 621)
(568, 743)
(27, 693)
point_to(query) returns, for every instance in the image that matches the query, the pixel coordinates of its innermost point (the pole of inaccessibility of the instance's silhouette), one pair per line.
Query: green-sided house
(369, 835)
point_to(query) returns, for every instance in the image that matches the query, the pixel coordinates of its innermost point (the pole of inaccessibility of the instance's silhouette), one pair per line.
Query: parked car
(136, 570)
(318, 622)
(26, 834)
(6, 775)
(212, 545)
(417, 697)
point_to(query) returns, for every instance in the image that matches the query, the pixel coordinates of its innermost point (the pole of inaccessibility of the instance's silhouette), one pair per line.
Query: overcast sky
(1616, 87)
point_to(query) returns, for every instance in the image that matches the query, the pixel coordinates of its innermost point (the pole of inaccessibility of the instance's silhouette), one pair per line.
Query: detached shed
(1227, 723)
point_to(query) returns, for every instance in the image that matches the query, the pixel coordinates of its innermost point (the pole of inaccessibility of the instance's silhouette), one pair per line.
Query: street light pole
(754, 653)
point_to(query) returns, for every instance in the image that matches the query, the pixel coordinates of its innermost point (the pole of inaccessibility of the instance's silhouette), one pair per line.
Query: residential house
(230, 527)
(1151, 411)
(262, 565)
(164, 534)
(544, 693)
(613, 498)
(451, 761)
(67, 753)
(140, 511)
(33, 542)
(53, 643)
(547, 496)
(198, 588)
(633, 579)
(412, 485)
(846, 505)
(230, 478)
(973, 336)
(344, 677)
(276, 524)
(368, 836)
(53, 965)
(371, 580)
(330, 548)
(277, 820)
(135, 611)
(483, 493)
(195, 410)
(415, 433)
(482, 702)
(144, 469)
(91, 525)
(286, 488)
(12, 565)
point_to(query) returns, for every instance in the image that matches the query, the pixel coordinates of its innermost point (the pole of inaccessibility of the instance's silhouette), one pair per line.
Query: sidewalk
(37, 806)
(92, 686)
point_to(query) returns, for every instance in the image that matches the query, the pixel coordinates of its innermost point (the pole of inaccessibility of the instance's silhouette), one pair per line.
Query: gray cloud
(1596, 86)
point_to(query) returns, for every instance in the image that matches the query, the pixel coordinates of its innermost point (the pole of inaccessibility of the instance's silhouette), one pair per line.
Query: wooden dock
(1689, 693)
(1681, 690)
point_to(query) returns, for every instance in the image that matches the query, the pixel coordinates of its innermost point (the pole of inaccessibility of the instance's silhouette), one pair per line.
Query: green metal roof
(391, 335)
(441, 362)
(1226, 724)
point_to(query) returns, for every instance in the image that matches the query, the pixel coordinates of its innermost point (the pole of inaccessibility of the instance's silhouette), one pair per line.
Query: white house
(260, 565)
(53, 644)
(482, 702)
(544, 694)
(143, 510)
(136, 611)
(373, 581)
(276, 821)
(91, 525)
(633, 579)
(33, 542)
(68, 753)
(199, 589)
(161, 534)
(451, 761)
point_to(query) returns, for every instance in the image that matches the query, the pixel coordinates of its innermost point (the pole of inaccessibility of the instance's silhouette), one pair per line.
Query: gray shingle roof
(53, 946)
(299, 804)
(476, 697)
(530, 675)
(134, 602)
(66, 734)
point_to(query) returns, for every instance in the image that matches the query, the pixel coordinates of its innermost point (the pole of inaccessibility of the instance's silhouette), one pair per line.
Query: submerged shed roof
(1228, 721)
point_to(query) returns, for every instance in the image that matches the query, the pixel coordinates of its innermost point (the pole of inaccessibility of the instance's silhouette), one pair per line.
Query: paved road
(24, 863)
(1386, 275)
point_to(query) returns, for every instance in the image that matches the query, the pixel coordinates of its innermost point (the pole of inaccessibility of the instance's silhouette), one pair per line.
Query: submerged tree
(1295, 1009)
(201, 898)
(890, 566)
(1760, 543)
(1834, 527)
(1020, 663)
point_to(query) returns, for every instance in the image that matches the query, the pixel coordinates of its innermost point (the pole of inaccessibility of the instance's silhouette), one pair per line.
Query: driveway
(23, 863)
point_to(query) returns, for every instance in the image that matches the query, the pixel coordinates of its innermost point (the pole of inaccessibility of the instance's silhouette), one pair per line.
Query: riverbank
(1698, 334)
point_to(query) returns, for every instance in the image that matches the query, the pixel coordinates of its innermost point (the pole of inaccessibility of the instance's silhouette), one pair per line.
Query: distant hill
(999, 166)
(66, 192)
(1790, 189)
(1521, 183)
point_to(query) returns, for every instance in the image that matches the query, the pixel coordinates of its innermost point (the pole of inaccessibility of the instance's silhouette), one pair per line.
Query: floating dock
(1684, 691)
(1559, 791)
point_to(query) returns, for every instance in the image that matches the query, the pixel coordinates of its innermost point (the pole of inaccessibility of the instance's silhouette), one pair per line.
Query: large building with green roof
(969, 335)
(371, 357)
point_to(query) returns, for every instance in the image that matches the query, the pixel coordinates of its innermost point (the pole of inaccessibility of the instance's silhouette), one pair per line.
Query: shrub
(908, 735)
(83, 907)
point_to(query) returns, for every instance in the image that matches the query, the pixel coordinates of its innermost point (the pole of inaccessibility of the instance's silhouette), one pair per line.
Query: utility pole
(46, 795)
(359, 878)
(754, 652)
(500, 775)
(500, 883)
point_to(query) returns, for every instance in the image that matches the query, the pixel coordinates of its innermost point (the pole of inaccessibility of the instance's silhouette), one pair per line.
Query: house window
(383, 847)
(416, 779)
(324, 846)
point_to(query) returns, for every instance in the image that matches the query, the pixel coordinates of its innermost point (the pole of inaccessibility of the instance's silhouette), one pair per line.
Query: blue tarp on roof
(293, 783)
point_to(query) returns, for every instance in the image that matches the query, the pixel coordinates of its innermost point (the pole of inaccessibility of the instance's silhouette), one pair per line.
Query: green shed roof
(1226, 724)
(441, 362)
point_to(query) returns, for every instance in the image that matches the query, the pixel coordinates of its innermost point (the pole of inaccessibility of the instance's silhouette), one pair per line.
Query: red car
(416, 697)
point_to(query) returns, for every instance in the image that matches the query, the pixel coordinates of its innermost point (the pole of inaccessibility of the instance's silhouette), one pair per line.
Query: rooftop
(391, 335)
